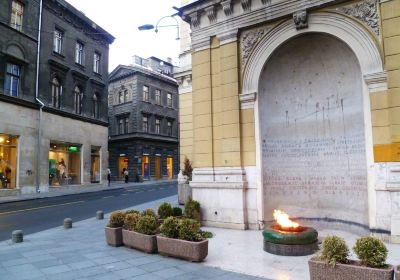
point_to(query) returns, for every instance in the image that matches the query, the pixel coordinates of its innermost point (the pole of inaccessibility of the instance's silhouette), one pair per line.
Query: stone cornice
(239, 14)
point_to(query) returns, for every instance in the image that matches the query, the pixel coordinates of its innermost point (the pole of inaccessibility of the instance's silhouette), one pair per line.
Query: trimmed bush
(165, 210)
(132, 211)
(189, 230)
(192, 209)
(371, 251)
(116, 219)
(146, 225)
(334, 250)
(130, 221)
(149, 212)
(187, 169)
(177, 212)
(170, 227)
(206, 234)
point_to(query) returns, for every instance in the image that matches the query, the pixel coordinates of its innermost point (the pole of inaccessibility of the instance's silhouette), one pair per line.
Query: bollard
(67, 223)
(17, 236)
(99, 215)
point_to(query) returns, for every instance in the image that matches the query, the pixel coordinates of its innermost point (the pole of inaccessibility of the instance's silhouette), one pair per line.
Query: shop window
(8, 161)
(122, 166)
(170, 167)
(56, 92)
(146, 167)
(158, 167)
(17, 13)
(64, 164)
(12, 79)
(95, 165)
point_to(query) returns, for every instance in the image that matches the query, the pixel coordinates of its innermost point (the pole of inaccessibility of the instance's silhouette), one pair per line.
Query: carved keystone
(300, 19)
(67, 223)
(17, 236)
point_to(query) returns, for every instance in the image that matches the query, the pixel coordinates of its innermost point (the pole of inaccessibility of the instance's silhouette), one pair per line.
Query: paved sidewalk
(78, 189)
(82, 253)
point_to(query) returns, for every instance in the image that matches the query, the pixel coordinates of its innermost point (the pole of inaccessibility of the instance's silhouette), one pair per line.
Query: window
(96, 105)
(158, 97)
(157, 126)
(145, 122)
(17, 13)
(120, 126)
(125, 96)
(79, 53)
(145, 93)
(11, 83)
(126, 125)
(96, 62)
(169, 124)
(120, 97)
(58, 40)
(169, 100)
(56, 92)
(78, 100)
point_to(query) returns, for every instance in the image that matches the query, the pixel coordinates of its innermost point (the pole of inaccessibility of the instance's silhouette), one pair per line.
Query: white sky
(121, 19)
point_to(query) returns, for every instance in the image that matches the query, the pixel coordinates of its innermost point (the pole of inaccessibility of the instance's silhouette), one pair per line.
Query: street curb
(89, 191)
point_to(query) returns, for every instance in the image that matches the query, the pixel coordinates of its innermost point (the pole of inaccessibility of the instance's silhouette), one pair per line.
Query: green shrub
(206, 234)
(189, 230)
(132, 211)
(176, 211)
(165, 210)
(192, 209)
(130, 221)
(371, 251)
(116, 219)
(146, 225)
(170, 227)
(334, 250)
(149, 212)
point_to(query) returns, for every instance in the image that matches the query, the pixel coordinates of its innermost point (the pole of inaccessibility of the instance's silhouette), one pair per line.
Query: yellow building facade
(294, 105)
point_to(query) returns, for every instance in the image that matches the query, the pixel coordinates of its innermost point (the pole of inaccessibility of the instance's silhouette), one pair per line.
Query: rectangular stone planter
(321, 271)
(114, 236)
(184, 193)
(397, 272)
(187, 250)
(142, 242)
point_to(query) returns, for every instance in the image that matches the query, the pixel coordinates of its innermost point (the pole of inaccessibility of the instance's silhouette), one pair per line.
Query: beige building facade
(294, 106)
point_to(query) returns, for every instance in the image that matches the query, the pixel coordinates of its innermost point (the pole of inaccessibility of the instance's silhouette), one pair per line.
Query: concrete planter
(397, 272)
(321, 271)
(184, 192)
(114, 236)
(142, 242)
(187, 250)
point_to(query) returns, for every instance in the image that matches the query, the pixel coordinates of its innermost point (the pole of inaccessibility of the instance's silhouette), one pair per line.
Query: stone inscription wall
(312, 131)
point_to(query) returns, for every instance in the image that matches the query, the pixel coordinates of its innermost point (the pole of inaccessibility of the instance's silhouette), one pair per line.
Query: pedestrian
(126, 173)
(109, 176)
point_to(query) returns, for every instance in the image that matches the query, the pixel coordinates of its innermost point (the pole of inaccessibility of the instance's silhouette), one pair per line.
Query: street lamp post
(157, 26)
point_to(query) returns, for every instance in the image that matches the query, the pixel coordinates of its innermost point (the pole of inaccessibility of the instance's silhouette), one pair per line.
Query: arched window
(96, 105)
(78, 100)
(56, 92)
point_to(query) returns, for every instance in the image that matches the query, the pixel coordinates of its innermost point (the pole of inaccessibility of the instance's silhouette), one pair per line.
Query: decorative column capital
(227, 7)
(247, 100)
(211, 13)
(195, 19)
(246, 5)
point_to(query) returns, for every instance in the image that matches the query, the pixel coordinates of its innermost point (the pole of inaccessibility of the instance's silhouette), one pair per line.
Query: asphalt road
(40, 214)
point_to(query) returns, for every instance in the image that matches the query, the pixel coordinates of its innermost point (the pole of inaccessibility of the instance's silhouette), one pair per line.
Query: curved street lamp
(150, 26)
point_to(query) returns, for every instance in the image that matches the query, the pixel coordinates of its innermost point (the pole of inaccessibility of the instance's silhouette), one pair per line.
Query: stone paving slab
(82, 253)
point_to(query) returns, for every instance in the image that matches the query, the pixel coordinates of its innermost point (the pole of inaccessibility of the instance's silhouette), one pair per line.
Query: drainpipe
(38, 100)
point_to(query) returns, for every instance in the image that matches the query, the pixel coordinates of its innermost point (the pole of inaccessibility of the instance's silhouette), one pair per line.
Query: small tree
(187, 168)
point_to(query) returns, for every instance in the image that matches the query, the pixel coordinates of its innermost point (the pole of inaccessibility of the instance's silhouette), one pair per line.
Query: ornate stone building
(144, 120)
(72, 91)
(295, 105)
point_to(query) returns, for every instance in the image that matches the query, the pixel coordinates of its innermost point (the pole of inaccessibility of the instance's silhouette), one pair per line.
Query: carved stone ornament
(195, 19)
(366, 11)
(246, 5)
(300, 19)
(266, 2)
(227, 7)
(249, 40)
(211, 14)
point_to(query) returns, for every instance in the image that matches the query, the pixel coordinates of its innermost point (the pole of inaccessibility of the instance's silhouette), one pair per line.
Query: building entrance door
(122, 166)
(170, 167)
(146, 167)
(158, 167)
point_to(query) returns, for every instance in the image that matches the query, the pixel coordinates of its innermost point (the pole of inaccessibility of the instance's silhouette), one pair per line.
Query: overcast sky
(121, 18)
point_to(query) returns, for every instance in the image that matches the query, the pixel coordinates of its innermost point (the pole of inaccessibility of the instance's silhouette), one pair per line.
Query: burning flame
(283, 220)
